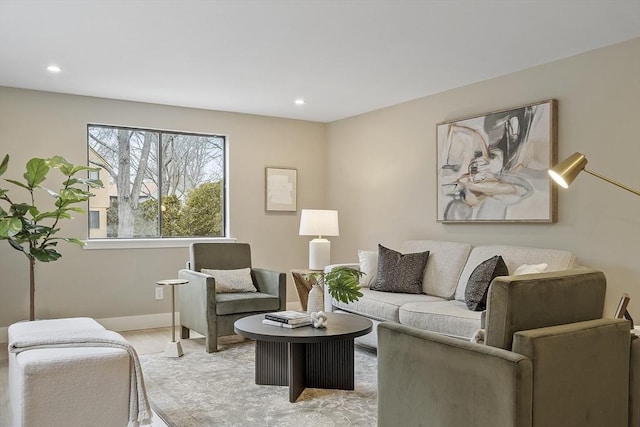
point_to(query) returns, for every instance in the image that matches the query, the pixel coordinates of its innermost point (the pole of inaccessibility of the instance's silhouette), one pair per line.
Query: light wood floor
(145, 341)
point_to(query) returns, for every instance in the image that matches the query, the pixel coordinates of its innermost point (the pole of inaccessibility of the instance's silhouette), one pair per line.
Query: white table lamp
(314, 222)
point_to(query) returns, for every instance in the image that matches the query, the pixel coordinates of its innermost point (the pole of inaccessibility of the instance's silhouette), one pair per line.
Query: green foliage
(343, 283)
(171, 214)
(201, 213)
(31, 230)
(112, 219)
(4, 164)
(145, 219)
(22, 224)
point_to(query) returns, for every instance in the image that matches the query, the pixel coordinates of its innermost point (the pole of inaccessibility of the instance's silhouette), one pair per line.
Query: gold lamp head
(567, 170)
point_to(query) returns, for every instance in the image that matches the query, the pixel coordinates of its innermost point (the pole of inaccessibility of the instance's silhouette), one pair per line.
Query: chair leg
(184, 332)
(211, 344)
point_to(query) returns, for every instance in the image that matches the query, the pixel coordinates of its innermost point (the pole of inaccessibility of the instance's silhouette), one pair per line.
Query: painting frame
(621, 309)
(492, 167)
(281, 188)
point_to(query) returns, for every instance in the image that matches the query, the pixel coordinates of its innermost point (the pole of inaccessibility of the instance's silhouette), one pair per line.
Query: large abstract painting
(493, 167)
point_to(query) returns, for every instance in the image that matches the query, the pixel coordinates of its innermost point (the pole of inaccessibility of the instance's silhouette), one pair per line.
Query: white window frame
(167, 242)
(160, 242)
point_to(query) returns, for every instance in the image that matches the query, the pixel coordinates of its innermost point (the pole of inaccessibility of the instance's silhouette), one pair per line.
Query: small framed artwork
(280, 189)
(493, 167)
(621, 310)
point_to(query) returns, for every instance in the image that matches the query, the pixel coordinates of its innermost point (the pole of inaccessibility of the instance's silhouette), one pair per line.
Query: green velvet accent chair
(213, 314)
(549, 359)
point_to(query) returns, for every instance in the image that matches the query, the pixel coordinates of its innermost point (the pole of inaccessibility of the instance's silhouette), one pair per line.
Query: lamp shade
(315, 222)
(567, 170)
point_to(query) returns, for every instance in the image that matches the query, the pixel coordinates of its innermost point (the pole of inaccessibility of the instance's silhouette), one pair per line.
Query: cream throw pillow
(232, 280)
(530, 269)
(369, 266)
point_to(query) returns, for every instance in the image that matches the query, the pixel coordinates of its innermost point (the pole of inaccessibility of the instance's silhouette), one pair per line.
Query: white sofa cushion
(444, 266)
(368, 261)
(515, 256)
(530, 269)
(451, 318)
(382, 305)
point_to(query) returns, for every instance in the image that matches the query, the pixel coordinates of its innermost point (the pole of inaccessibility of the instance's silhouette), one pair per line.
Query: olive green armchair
(213, 314)
(549, 359)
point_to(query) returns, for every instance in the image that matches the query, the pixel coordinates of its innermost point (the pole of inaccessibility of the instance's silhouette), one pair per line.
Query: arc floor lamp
(567, 170)
(563, 174)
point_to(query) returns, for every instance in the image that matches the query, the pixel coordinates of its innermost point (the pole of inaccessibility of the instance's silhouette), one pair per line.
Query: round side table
(173, 348)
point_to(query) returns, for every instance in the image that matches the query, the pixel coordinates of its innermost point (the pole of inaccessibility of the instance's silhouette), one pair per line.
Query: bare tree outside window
(157, 183)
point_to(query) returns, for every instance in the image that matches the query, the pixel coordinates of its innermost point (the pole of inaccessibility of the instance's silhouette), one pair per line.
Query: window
(157, 184)
(94, 219)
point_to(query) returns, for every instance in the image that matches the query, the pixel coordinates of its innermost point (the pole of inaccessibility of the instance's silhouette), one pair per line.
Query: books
(289, 317)
(285, 325)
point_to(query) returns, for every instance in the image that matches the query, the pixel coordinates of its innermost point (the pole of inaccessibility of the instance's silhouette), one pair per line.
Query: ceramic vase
(316, 299)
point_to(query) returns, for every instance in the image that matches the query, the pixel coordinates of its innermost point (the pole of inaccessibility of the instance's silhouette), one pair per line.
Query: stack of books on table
(287, 319)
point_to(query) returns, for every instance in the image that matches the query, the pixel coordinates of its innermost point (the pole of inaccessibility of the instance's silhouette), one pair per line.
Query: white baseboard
(119, 324)
(132, 323)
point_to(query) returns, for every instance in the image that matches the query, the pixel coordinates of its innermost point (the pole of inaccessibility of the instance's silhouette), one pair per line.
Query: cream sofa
(442, 307)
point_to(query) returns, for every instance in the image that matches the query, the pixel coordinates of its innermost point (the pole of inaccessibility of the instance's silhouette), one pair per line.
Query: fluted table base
(305, 357)
(299, 365)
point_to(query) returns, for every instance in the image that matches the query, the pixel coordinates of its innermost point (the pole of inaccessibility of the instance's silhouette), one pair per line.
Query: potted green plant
(343, 283)
(33, 230)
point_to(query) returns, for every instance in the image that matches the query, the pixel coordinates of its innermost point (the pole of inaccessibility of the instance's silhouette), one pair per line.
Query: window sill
(150, 243)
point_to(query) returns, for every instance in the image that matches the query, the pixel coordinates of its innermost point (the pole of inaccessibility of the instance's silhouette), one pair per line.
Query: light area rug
(203, 389)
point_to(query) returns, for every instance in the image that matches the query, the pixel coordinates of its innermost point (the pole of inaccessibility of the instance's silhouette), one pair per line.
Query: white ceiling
(256, 56)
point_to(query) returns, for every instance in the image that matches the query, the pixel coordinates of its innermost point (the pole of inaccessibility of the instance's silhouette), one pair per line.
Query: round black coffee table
(305, 357)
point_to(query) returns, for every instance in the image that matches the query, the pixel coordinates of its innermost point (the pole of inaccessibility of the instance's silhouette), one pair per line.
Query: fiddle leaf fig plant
(343, 283)
(33, 230)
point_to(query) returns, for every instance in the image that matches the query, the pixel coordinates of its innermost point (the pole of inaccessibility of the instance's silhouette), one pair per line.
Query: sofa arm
(514, 303)
(331, 267)
(197, 301)
(272, 283)
(425, 378)
(634, 382)
(580, 372)
(328, 300)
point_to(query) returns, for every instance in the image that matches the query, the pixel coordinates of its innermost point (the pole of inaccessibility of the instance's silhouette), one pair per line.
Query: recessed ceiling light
(53, 68)
(299, 101)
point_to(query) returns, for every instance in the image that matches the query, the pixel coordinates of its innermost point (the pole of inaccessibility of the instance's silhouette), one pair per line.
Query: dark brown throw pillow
(400, 272)
(475, 295)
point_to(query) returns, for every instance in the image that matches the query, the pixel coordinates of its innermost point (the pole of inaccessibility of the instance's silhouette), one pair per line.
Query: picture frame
(492, 168)
(621, 310)
(281, 189)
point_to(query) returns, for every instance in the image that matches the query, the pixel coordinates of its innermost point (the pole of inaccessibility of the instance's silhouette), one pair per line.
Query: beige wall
(382, 166)
(119, 282)
(388, 197)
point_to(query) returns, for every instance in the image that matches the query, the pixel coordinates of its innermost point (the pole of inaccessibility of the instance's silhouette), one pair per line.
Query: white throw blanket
(139, 409)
